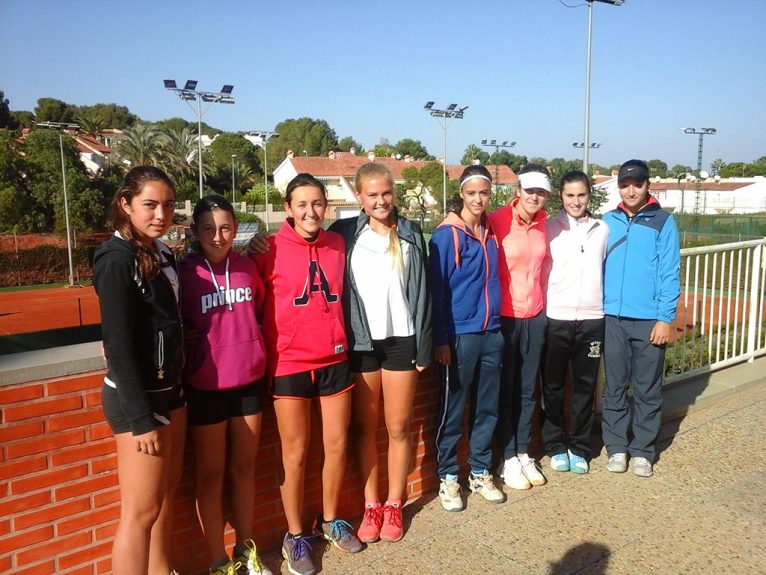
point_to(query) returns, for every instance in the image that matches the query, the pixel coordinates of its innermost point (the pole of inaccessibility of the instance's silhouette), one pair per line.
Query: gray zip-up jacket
(418, 293)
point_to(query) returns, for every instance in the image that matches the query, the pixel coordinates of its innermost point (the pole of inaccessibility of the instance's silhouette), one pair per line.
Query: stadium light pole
(189, 94)
(262, 138)
(586, 138)
(445, 117)
(233, 189)
(61, 127)
(497, 146)
(702, 132)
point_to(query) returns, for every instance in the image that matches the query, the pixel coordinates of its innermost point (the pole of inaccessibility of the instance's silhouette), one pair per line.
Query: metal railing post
(752, 319)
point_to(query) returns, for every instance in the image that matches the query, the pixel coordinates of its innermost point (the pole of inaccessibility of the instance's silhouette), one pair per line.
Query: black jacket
(142, 332)
(418, 294)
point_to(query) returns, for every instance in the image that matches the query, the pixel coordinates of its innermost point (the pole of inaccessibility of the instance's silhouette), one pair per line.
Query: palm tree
(178, 154)
(140, 145)
(91, 123)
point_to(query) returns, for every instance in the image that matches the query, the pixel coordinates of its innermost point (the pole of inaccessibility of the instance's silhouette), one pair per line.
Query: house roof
(87, 144)
(345, 164)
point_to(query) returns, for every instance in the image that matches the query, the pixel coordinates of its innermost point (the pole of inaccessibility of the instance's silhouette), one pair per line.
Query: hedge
(45, 264)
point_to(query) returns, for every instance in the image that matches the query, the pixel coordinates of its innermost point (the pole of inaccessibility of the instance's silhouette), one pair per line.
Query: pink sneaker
(392, 529)
(369, 530)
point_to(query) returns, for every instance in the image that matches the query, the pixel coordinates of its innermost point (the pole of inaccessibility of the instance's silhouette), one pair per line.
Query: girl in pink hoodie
(224, 379)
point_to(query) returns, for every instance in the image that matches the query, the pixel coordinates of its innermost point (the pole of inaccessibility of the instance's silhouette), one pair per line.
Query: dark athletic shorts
(323, 382)
(208, 407)
(162, 402)
(392, 354)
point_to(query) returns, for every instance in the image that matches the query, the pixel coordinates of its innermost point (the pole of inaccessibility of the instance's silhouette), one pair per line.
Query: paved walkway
(704, 511)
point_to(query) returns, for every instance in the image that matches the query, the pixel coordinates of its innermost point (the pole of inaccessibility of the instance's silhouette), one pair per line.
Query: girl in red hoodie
(306, 344)
(224, 379)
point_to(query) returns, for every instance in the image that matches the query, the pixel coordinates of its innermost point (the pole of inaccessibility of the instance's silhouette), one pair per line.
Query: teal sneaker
(339, 533)
(560, 462)
(578, 464)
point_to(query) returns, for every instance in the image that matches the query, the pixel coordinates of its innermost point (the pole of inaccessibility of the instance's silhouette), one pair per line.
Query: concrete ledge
(681, 397)
(48, 363)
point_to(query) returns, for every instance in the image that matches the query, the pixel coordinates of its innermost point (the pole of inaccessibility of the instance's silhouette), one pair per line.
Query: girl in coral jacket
(307, 348)
(224, 378)
(137, 285)
(465, 289)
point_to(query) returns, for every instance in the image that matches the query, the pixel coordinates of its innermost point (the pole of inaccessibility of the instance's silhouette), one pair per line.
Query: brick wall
(59, 499)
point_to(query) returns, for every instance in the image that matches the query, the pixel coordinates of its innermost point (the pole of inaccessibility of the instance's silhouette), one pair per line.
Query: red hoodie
(222, 308)
(303, 314)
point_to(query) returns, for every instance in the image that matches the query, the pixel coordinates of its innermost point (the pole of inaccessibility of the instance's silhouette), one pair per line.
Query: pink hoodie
(522, 251)
(222, 309)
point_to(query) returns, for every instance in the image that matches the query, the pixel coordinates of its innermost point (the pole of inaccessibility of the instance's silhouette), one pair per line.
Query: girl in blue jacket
(465, 291)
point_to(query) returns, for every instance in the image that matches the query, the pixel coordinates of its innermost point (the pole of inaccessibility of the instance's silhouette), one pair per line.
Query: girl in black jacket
(137, 285)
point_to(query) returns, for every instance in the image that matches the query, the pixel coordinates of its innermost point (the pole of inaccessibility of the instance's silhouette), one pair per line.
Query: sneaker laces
(253, 562)
(301, 548)
(373, 516)
(453, 488)
(486, 481)
(394, 514)
(339, 530)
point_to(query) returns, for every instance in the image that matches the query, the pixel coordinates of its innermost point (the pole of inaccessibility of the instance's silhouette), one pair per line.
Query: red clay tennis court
(44, 309)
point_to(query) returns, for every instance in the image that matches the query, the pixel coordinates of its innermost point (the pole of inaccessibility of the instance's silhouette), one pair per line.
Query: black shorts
(323, 382)
(392, 354)
(208, 407)
(162, 402)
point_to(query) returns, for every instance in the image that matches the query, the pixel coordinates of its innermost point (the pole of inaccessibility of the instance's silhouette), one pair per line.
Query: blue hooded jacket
(641, 271)
(465, 286)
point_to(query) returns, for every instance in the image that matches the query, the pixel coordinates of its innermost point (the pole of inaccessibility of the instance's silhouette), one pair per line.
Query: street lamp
(261, 138)
(189, 94)
(586, 143)
(593, 146)
(61, 128)
(233, 189)
(444, 117)
(497, 146)
(702, 132)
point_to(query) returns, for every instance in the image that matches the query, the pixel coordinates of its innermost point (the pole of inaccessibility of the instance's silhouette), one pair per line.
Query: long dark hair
(131, 186)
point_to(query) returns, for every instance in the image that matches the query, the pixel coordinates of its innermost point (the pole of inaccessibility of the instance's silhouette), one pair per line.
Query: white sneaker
(484, 485)
(531, 470)
(449, 493)
(513, 476)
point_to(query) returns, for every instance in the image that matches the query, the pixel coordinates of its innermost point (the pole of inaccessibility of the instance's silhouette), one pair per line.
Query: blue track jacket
(465, 286)
(641, 272)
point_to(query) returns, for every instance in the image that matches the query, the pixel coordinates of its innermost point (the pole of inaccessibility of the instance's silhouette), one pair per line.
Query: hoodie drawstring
(226, 298)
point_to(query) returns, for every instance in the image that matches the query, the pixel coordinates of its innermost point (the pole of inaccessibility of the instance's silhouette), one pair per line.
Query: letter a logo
(312, 286)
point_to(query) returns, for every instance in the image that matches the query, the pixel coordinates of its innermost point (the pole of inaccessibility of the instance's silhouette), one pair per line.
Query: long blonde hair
(373, 171)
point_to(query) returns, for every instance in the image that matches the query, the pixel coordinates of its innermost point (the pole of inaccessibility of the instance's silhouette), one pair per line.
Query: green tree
(226, 145)
(676, 170)
(657, 168)
(91, 123)
(717, 165)
(23, 119)
(413, 148)
(176, 124)
(140, 145)
(506, 158)
(177, 156)
(474, 152)
(6, 120)
(112, 115)
(345, 144)
(314, 136)
(53, 110)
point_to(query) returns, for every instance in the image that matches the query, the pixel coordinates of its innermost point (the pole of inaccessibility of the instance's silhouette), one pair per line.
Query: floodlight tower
(445, 117)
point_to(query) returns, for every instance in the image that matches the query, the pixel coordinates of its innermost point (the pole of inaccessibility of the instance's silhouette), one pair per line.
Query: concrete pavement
(704, 511)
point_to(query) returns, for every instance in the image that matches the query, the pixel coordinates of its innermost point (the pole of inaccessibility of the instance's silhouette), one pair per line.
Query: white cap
(529, 180)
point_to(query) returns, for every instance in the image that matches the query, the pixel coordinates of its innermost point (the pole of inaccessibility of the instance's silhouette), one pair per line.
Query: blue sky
(367, 67)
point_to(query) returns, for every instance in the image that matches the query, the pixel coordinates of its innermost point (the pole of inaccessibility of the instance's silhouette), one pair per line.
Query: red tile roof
(87, 144)
(345, 164)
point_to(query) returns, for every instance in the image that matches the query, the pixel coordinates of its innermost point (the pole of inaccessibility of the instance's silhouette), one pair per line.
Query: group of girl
(343, 316)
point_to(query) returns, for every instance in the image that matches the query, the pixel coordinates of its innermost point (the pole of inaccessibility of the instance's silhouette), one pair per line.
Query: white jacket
(573, 270)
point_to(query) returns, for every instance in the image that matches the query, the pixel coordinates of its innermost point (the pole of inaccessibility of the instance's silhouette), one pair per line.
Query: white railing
(721, 309)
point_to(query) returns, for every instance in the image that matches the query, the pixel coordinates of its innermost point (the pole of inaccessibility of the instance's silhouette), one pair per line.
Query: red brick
(99, 431)
(22, 467)
(5, 564)
(91, 485)
(53, 477)
(106, 531)
(83, 555)
(104, 566)
(40, 568)
(5, 527)
(106, 498)
(22, 540)
(79, 419)
(50, 514)
(17, 504)
(85, 570)
(91, 381)
(93, 398)
(49, 442)
(87, 520)
(83, 452)
(39, 408)
(23, 392)
(104, 464)
(53, 548)
(13, 432)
